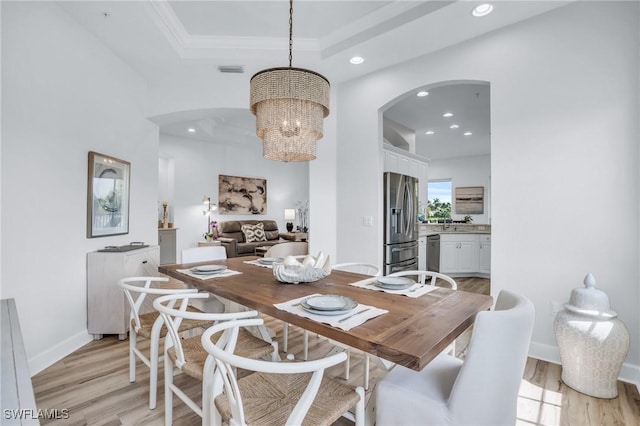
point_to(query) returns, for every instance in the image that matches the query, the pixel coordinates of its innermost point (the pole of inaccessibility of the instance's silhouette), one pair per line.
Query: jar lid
(590, 301)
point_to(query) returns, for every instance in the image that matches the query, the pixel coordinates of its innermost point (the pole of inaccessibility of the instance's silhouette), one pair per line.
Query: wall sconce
(289, 216)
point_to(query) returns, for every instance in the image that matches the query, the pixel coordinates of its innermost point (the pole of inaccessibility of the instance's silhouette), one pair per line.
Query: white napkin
(414, 291)
(258, 263)
(226, 273)
(293, 306)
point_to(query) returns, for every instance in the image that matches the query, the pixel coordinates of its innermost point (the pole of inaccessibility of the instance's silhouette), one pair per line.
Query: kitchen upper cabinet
(485, 254)
(407, 165)
(459, 253)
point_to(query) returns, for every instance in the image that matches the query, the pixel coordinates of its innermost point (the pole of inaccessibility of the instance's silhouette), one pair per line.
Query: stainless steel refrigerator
(400, 223)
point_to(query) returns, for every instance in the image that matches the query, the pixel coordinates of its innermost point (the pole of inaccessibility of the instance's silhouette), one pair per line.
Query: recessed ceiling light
(191, 130)
(454, 126)
(447, 114)
(429, 132)
(422, 94)
(467, 133)
(482, 9)
(356, 60)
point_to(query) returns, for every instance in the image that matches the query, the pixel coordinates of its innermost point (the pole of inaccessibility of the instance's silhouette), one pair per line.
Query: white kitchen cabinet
(485, 254)
(167, 242)
(408, 165)
(422, 253)
(459, 253)
(107, 309)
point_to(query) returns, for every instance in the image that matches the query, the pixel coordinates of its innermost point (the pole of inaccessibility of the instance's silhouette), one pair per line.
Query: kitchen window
(439, 195)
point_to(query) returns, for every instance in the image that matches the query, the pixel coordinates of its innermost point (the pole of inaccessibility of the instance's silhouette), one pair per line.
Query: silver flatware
(353, 315)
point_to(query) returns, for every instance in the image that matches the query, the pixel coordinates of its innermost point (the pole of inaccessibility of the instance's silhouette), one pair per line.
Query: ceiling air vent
(231, 69)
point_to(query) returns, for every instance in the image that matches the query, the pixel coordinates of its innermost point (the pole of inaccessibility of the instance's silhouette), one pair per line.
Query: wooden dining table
(412, 333)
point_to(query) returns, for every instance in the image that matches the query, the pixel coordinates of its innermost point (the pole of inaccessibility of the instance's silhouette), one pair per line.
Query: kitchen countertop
(453, 228)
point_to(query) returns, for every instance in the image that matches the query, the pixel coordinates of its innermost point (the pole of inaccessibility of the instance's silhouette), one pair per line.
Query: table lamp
(289, 216)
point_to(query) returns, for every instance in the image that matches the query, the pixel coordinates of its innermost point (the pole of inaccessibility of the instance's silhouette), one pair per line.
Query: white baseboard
(54, 354)
(628, 373)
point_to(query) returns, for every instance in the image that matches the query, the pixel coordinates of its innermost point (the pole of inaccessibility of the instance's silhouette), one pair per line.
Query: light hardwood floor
(93, 384)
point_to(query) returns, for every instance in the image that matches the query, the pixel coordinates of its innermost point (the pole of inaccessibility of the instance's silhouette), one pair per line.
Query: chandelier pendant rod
(290, 32)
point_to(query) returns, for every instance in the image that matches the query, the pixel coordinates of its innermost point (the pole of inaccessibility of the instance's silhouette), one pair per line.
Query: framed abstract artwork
(469, 199)
(107, 196)
(241, 195)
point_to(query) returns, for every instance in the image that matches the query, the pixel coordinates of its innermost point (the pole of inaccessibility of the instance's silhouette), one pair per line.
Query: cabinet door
(391, 162)
(485, 254)
(141, 264)
(467, 256)
(167, 242)
(108, 311)
(422, 253)
(459, 253)
(448, 256)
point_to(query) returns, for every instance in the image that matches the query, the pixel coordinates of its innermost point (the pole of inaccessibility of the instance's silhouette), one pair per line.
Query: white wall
(323, 207)
(196, 166)
(64, 94)
(564, 112)
(465, 171)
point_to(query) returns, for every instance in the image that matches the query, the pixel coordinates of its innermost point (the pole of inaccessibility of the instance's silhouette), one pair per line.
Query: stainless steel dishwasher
(433, 253)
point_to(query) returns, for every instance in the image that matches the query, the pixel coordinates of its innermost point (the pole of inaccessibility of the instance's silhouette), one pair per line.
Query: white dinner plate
(397, 283)
(394, 286)
(319, 312)
(329, 302)
(208, 269)
(270, 260)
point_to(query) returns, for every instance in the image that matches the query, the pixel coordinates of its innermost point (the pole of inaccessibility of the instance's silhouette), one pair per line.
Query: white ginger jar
(593, 343)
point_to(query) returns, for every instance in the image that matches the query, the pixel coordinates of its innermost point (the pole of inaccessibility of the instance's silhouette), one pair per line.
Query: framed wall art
(469, 199)
(241, 195)
(107, 196)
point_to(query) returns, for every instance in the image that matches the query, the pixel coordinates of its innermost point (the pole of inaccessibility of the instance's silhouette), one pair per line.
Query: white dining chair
(187, 356)
(294, 248)
(276, 393)
(481, 390)
(149, 326)
(364, 269)
(359, 268)
(427, 277)
(282, 250)
(434, 279)
(203, 254)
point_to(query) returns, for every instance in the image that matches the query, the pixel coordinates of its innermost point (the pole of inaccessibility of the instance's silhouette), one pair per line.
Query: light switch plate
(367, 220)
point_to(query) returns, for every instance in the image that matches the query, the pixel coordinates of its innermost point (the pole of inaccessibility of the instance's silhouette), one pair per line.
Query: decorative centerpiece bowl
(298, 269)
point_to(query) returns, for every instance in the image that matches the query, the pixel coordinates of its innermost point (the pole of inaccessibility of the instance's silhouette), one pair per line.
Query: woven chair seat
(248, 346)
(147, 320)
(269, 399)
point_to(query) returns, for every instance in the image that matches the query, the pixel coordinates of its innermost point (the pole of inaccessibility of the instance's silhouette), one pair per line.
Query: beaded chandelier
(290, 105)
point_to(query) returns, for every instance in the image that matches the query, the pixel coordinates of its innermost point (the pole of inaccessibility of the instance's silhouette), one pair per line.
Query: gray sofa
(231, 236)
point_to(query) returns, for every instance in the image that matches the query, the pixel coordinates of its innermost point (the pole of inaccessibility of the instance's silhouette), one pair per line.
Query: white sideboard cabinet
(107, 308)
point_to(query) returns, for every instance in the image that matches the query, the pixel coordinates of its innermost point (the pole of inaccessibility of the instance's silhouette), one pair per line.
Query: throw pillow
(254, 233)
